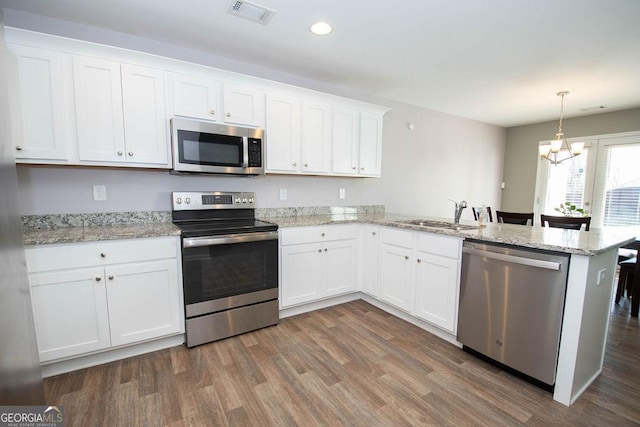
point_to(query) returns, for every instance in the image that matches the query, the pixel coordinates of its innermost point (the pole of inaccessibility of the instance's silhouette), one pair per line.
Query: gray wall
(520, 161)
(445, 157)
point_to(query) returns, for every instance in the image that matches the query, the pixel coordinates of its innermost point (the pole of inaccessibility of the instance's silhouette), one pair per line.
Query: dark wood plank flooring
(351, 364)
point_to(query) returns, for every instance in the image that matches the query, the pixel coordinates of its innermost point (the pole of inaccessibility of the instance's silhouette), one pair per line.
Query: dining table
(635, 287)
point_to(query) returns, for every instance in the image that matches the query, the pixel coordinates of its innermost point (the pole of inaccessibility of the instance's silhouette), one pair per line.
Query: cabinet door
(436, 288)
(370, 144)
(196, 97)
(42, 98)
(345, 141)
(283, 133)
(99, 113)
(145, 121)
(370, 262)
(144, 301)
(243, 106)
(301, 273)
(70, 312)
(396, 268)
(339, 267)
(316, 137)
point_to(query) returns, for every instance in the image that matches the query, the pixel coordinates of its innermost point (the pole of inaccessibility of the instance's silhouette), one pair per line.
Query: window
(604, 180)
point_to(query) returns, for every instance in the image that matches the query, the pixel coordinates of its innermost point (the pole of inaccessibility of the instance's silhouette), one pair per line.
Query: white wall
(444, 157)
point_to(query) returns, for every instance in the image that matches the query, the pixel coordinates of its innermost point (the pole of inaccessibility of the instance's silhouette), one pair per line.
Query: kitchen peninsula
(589, 288)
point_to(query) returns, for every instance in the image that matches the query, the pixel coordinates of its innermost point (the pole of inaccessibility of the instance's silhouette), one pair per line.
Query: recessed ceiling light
(321, 28)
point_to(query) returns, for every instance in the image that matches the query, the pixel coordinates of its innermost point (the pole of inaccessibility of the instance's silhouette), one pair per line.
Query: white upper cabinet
(44, 115)
(284, 132)
(345, 141)
(196, 97)
(316, 137)
(120, 113)
(370, 153)
(98, 95)
(243, 106)
(145, 120)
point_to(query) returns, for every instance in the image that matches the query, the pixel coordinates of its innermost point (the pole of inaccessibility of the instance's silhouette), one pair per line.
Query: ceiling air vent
(251, 11)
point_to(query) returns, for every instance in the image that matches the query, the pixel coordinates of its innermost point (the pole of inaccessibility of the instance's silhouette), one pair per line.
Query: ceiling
(496, 61)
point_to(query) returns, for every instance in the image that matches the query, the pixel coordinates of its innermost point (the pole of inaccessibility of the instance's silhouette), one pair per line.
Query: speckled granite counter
(73, 228)
(590, 243)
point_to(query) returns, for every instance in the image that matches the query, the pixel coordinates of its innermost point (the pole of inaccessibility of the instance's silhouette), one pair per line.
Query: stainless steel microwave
(205, 147)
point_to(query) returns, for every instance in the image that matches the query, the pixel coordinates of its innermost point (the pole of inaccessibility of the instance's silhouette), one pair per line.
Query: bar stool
(625, 278)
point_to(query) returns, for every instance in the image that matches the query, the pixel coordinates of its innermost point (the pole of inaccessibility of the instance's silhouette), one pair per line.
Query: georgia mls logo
(30, 416)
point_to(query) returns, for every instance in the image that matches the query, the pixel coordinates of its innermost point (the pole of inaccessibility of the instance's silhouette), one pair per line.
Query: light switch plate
(342, 193)
(99, 193)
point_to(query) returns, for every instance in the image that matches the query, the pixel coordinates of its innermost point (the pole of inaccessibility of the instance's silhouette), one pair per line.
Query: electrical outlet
(283, 194)
(342, 193)
(602, 274)
(99, 193)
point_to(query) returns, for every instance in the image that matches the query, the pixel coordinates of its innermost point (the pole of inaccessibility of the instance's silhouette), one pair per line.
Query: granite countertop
(590, 243)
(44, 236)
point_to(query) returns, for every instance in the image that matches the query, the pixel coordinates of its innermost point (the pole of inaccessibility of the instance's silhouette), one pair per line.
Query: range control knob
(179, 201)
(250, 199)
(244, 200)
(237, 199)
(187, 200)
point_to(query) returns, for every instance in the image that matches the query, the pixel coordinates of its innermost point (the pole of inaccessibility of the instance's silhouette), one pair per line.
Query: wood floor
(351, 364)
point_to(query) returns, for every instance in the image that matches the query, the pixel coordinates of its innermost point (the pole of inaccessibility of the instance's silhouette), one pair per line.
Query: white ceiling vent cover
(251, 11)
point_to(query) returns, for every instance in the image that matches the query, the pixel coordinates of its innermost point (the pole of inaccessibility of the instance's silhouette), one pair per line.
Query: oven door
(223, 272)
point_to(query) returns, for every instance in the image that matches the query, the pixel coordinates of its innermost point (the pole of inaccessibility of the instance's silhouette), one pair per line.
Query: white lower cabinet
(396, 268)
(89, 297)
(370, 255)
(317, 262)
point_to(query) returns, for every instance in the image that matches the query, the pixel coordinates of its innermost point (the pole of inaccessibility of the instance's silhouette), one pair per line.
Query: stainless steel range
(229, 265)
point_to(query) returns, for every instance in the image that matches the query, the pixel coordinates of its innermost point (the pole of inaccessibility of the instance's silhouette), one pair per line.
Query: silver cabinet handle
(228, 114)
(325, 249)
(295, 164)
(119, 153)
(353, 167)
(98, 279)
(319, 250)
(19, 147)
(110, 277)
(406, 257)
(419, 260)
(374, 233)
(362, 168)
(213, 112)
(130, 153)
(103, 254)
(306, 165)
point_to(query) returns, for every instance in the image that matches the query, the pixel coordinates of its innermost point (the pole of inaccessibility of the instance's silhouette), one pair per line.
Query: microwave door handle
(245, 152)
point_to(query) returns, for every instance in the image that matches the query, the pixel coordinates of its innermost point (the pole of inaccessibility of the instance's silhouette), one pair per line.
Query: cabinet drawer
(439, 245)
(323, 233)
(74, 255)
(393, 236)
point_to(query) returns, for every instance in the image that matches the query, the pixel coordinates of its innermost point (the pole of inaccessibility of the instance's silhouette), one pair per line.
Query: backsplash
(151, 217)
(94, 219)
(317, 210)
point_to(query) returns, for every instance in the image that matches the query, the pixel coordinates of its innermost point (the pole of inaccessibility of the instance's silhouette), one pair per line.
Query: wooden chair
(476, 212)
(570, 222)
(515, 218)
(625, 278)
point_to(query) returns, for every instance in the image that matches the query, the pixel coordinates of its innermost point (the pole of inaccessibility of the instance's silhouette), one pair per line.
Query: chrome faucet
(458, 212)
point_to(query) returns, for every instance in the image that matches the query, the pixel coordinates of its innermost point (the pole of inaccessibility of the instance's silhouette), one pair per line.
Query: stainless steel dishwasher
(511, 306)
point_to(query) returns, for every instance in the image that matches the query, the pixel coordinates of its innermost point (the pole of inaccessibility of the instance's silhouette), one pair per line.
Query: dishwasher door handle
(549, 265)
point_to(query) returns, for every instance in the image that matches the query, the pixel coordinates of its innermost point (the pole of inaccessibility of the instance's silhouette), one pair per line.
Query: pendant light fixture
(559, 150)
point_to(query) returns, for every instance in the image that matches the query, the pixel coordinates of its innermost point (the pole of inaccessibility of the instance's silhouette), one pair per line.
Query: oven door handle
(194, 242)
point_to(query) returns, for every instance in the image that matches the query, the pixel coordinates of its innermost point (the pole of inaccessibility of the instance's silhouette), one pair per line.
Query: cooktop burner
(219, 227)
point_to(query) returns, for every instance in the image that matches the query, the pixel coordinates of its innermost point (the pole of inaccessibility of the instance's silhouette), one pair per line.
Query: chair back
(569, 222)
(515, 218)
(476, 212)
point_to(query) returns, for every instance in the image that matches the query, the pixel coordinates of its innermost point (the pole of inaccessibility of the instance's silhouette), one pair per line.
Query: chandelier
(559, 150)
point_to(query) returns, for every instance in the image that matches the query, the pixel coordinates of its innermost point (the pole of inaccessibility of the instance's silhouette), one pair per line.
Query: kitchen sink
(438, 224)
